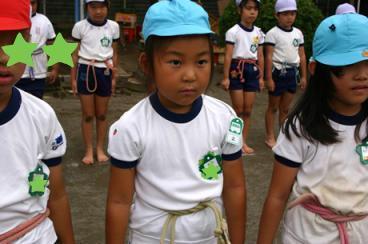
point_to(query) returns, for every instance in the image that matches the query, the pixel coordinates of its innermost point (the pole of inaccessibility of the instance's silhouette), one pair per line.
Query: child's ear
(143, 63)
(312, 67)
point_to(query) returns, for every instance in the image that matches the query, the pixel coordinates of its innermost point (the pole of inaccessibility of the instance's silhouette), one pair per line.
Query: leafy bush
(308, 18)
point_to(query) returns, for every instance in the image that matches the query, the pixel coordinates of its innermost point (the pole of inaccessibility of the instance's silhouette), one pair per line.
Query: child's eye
(203, 62)
(175, 62)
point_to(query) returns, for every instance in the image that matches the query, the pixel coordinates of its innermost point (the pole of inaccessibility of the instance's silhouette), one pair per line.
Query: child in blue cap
(322, 151)
(243, 66)
(285, 56)
(177, 151)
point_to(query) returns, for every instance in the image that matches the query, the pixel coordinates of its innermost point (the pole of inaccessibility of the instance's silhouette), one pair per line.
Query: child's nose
(362, 73)
(189, 74)
(3, 58)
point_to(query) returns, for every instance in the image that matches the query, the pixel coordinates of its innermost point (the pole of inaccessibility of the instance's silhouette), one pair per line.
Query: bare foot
(247, 150)
(101, 156)
(270, 143)
(87, 159)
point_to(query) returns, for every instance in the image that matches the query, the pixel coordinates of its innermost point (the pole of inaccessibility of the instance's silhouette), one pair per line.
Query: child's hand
(74, 86)
(303, 83)
(270, 85)
(225, 83)
(261, 84)
(52, 76)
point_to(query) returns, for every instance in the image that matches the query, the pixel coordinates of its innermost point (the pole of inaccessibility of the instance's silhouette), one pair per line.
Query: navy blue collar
(174, 117)
(96, 24)
(12, 108)
(33, 15)
(286, 30)
(245, 28)
(346, 120)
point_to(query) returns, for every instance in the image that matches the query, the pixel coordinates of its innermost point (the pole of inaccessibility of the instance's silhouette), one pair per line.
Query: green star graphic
(20, 51)
(211, 171)
(60, 52)
(37, 181)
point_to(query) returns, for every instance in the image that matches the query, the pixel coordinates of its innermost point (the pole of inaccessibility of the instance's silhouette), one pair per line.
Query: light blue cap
(341, 40)
(175, 18)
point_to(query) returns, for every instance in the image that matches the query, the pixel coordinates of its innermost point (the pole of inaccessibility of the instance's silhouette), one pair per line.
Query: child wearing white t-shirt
(177, 151)
(321, 153)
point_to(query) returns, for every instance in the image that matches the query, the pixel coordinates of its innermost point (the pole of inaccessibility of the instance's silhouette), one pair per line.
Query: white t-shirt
(166, 149)
(286, 45)
(95, 40)
(30, 136)
(41, 32)
(333, 172)
(246, 41)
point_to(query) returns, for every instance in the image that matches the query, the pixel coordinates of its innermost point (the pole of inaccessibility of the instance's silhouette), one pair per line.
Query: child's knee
(247, 113)
(284, 111)
(101, 117)
(87, 119)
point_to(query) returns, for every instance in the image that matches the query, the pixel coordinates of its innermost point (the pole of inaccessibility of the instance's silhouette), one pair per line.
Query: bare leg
(101, 104)
(273, 104)
(285, 101)
(249, 98)
(88, 114)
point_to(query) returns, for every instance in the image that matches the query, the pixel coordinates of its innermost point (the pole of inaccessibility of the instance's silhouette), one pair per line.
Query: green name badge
(37, 181)
(234, 135)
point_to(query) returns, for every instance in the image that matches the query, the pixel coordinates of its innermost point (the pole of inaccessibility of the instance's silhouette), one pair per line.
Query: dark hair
(244, 2)
(154, 43)
(312, 109)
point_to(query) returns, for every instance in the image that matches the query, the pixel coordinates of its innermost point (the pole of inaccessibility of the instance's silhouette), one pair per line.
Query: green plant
(309, 16)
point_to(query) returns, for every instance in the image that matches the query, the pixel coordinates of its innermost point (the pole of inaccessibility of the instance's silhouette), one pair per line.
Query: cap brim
(343, 59)
(13, 24)
(181, 30)
(286, 9)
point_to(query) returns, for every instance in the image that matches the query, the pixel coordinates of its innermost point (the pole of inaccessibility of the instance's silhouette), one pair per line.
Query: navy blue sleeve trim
(123, 164)
(301, 45)
(115, 40)
(262, 44)
(230, 157)
(287, 162)
(269, 44)
(76, 39)
(229, 42)
(52, 161)
(52, 39)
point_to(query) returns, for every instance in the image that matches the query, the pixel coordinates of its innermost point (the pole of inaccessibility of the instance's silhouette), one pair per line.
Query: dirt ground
(87, 185)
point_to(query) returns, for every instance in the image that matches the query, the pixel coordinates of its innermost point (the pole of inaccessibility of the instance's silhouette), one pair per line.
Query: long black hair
(312, 109)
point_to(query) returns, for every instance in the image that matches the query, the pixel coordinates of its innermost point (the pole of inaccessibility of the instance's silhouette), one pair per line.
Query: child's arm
(261, 66)
(228, 54)
(268, 63)
(73, 70)
(119, 200)
(303, 68)
(54, 72)
(234, 197)
(115, 61)
(59, 206)
(283, 178)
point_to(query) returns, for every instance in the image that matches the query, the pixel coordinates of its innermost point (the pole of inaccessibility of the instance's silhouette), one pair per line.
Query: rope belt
(311, 203)
(241, 65)
(221, 231)
(91, 63)
(23, 228)
(285, 65)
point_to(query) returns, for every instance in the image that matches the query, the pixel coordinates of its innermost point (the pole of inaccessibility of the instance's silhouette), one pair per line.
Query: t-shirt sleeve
(230, 151)
(230, 37)
(270, 38)
(261, 37)
(50, 31)
(76, 32)
(291, 152)
(301, 42)
(124, 144)
(55, 146)
(116, 35)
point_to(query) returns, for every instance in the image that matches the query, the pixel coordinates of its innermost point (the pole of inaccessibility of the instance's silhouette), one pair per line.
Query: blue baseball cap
(175, 18)
(341, 40)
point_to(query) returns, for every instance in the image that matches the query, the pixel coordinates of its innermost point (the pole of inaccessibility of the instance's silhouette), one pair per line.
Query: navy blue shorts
(35, 87)
(250, 76)
(284, 82)
(103, 81)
